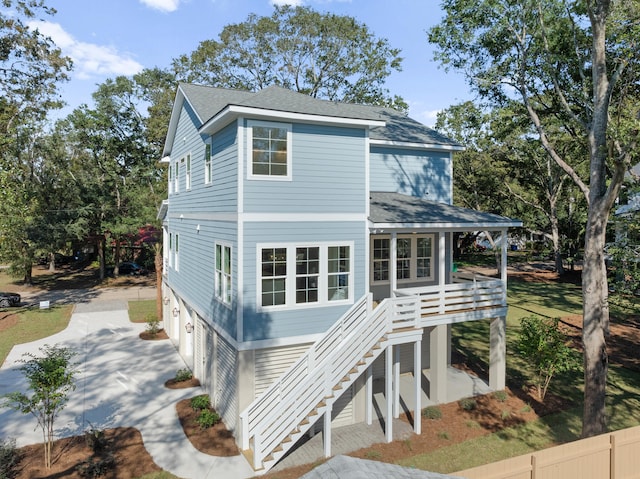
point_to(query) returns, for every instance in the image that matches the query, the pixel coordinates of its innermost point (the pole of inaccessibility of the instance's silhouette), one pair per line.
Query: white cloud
(293, 3)
(89, 59)
(428, 117)
(162, 5)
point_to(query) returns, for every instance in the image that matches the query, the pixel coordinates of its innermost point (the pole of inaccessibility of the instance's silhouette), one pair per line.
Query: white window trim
(413, 259)
(323, 275)
(222, 299)
(208, 163)
(170, 249)
(176, 176)
(176, 248)
(269, 124)
(187, 171)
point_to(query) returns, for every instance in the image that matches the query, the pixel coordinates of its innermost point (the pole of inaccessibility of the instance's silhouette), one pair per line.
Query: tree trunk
(595, 324)
(116, 269)
(101, 257)
(158, 264)
(555, 239)
(52, 262)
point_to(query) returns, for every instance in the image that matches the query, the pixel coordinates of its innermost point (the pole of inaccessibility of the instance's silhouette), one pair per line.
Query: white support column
(442, 259)
(388, 433)
(326, 435)
(438, 364)
(497, 353)
(393, 267)
(503, 262)
(369, 396)
(417, 376)
(396, 381)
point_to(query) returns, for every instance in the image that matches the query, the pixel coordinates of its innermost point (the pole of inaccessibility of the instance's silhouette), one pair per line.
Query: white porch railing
(283, 413)
(468, 292)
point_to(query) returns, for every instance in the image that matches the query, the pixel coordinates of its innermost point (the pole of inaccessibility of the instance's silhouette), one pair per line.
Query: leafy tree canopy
(319, 54)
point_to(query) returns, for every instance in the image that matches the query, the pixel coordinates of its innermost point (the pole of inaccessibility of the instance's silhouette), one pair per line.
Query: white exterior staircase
(274, 422)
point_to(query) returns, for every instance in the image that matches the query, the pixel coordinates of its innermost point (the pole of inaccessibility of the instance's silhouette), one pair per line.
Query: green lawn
(551, 300)
(33, 324)
(140, 311)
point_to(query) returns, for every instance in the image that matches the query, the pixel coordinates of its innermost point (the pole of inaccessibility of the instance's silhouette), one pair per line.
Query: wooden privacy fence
(610, 456)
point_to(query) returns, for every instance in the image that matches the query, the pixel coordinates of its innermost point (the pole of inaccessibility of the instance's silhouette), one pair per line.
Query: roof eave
(231, 112)
(421, 146)
(448, 226)
(181, 97)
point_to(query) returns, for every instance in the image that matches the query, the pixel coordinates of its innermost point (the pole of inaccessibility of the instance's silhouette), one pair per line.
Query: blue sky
(120, 37)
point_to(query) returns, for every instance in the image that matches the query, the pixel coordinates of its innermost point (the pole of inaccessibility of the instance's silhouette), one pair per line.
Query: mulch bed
(161, 334)
(216, 440)
(189, 383)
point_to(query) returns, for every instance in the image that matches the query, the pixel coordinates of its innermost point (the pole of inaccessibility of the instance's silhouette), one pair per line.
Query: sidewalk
(115, 388)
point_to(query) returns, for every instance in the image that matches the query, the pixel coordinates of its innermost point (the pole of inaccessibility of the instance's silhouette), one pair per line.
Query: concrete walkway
(120, 383)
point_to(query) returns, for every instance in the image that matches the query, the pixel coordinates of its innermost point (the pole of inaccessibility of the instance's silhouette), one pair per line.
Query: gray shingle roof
(346, 467)
(209, 101)
(399, 209)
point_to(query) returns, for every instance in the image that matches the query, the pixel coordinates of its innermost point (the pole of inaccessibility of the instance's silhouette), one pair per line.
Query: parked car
(129, 267)
(9, 299)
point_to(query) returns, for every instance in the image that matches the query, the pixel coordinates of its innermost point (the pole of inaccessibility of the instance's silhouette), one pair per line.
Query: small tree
(543, 345)
(51, 379)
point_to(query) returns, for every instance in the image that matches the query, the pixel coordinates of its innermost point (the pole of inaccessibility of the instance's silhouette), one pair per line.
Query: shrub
(444, 435)
(200, 402)
(96, 467)
(207, 418)
(183, 375)
(432, 412)
(543, 345)
(501, 396)
(153, 324)
(95, 440)
(468, 404)
(9, 458)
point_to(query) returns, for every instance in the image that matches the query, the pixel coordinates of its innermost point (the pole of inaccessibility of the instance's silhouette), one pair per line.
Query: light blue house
(307, 252)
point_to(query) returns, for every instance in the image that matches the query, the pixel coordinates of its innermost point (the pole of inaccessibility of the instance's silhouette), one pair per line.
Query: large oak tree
(568, 61)
(323, 55)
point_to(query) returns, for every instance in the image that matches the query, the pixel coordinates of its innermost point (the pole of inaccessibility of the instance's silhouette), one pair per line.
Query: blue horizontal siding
(279, 324)
(425, 174)
(328, 165)
(194, 280)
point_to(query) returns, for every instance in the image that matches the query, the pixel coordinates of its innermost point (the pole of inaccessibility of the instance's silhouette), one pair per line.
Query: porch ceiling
(398, 211)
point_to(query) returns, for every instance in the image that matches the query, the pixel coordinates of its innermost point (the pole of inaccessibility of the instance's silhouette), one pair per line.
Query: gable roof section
(398, 211)
(387, 125)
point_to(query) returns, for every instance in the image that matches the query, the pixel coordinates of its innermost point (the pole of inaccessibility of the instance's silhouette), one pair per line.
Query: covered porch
(419, 282)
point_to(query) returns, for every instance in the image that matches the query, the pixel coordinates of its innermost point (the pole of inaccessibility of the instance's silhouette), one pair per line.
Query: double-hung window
(223, 273)
(208, 173)
(414, 258)
(297, 275)
(270, 150)
(187, 177)
(176, 187)
(171, 250)
(176, 260)
(274, 276)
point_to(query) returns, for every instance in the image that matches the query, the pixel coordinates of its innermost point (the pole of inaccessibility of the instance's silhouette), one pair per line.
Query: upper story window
(208, 173)
(299, 275)
(187, 177)
(170, 174)
(270, 146)
(414, 258)
(176, 187)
